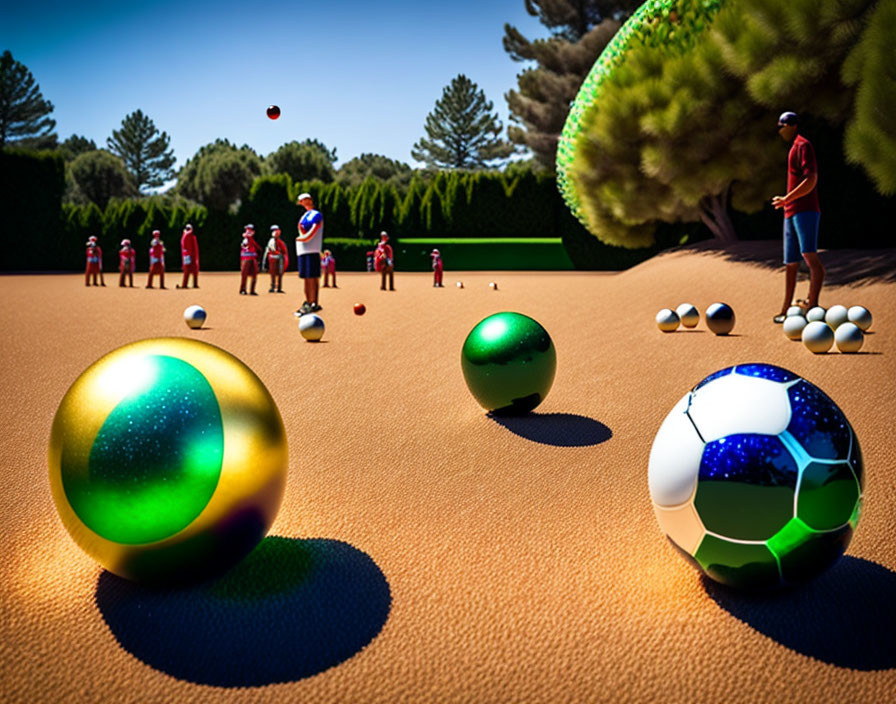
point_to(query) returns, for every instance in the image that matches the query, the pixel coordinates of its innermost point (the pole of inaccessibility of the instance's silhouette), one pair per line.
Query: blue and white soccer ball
(756, 477)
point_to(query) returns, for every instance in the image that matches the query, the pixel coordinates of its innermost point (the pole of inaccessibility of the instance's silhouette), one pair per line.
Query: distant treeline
(452, 204)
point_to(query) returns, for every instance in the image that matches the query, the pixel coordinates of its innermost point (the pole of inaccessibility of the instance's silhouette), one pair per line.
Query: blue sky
(359, 76)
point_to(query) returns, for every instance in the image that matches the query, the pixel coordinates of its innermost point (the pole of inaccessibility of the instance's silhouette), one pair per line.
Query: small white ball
(460, 284)
(849, 337)
(492, 285)
(667, 320)
(816, 313)
(195, 316)
(720, 318)
(688, 315)
(312, 327)
(793, 326)
(836, 316)
(796, 310)
(818, 336)
(860, 316)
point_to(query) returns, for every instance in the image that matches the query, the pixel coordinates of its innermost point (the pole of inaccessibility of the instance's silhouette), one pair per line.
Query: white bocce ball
(836, 316)
(860, 316)
(793, 326)
(667, 320)
(195, 316)
(849, 337)
(688, 315)
(796, 310)
(816, 313)
(312, 327)
(818, 336)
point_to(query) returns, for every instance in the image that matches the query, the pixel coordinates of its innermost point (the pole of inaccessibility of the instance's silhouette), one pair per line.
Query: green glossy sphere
(509, 362)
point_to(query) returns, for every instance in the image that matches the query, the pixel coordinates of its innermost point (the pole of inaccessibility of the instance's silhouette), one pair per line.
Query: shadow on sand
(558, 429)
(845, 617)
(291, 609)
(842, 266)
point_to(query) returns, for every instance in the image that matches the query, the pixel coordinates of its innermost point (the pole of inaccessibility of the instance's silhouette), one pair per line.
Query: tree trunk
(714, 213)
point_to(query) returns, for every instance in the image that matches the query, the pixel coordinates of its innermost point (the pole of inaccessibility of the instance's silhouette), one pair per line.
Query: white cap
(303, 196)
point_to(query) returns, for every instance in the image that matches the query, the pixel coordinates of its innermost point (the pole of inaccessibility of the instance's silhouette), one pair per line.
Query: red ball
(360, 309)
(273, 112)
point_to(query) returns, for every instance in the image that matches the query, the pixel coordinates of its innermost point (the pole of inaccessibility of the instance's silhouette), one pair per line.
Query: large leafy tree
(98, 176)
(683, 129)
(76, 145)
(219, 175)
(462, 132)
(580, 29)
(354, 171)
(144, 150)
(303, 161)
(24, 113)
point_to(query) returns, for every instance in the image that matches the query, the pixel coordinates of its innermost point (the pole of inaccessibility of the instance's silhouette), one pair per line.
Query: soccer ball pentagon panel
(756, 477)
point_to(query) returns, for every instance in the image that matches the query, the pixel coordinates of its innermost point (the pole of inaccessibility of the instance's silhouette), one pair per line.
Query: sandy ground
(476, 561)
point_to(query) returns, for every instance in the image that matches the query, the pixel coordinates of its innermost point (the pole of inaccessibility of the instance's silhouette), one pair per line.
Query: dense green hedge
(31, 203)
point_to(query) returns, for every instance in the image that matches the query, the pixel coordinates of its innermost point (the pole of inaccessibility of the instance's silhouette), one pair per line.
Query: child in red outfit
(189, 254)
(249, 254)
(436, 268)
(156, 259)
(383, 262)
(94, 262)
(127, 262)
(328, 266)
(276, 259)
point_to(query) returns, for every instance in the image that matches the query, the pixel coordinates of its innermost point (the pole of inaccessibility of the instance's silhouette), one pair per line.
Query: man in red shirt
(801, 214)
(384, 263)
(189, 254)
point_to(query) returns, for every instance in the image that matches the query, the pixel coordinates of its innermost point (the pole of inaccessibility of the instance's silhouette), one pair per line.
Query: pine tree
(143, 150)
(100, 176)
(462, 132)
(219, 174)
(24, 114)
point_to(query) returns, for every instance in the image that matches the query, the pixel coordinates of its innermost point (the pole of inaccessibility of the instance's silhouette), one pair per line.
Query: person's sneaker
(252, 293)
(304, 308)
(315, 307)
(280, 290)
(780, 318)
(242, 293)
(271, 289)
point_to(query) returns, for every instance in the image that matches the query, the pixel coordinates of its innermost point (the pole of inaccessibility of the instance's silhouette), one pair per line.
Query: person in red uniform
(94, 262)
(127, 263)
(436, 268)
(328, 266)
(189, 256)
(384, 263)
(801, 214)
(276, 259)
(249, 255)
(156, 259)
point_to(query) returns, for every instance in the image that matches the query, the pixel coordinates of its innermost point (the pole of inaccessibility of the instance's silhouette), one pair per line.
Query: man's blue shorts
(309, 265)
(800, 235)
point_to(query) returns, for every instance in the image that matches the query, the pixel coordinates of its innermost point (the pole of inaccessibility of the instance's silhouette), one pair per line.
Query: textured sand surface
(523, 560)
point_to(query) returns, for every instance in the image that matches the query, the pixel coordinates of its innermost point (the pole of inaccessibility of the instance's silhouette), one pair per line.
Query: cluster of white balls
(819, 329)
(719, 318)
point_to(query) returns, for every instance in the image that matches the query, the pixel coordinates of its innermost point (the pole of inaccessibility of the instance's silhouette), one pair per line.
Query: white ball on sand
(849, 337)
(195, 316)
(460, 284)
(816, 313)
(793, 326)
(818, 336)
(493, 286)
(796, 310)
(860, 316)
(688, 315)
(720, 318)
(667, 320)
(312, 327)
(836, 316)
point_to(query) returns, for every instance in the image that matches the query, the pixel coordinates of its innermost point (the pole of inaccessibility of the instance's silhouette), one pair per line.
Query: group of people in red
(274, 257)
